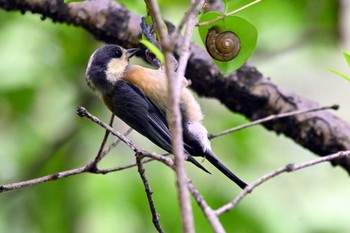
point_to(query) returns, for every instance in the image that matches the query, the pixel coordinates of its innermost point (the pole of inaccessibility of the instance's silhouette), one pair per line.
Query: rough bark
(245, 91)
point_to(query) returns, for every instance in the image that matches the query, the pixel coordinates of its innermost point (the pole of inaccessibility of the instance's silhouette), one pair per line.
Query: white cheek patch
(115, 69)
(200, 133)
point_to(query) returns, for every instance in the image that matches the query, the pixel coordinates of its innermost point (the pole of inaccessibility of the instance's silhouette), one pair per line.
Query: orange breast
(153, 83)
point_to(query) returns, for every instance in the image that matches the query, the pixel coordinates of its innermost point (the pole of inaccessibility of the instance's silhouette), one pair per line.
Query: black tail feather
(222, 167)
(195, 162)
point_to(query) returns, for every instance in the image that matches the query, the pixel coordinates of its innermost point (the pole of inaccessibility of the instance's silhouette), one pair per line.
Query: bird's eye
(118, 53)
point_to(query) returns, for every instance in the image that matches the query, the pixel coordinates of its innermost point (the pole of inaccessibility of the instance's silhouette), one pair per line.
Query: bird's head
(106, 66)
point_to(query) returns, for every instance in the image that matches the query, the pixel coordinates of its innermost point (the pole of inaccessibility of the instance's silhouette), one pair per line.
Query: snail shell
(222, 45)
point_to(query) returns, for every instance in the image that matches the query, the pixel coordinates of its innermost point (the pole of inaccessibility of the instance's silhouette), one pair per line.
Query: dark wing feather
(131, 105)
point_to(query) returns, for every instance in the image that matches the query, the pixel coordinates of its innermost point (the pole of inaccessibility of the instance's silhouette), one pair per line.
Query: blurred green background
(42, 67)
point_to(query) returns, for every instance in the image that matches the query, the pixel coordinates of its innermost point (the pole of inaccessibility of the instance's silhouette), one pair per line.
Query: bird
(138, 96)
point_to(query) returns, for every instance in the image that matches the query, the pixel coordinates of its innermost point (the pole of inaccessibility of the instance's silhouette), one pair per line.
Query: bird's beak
(132, 52)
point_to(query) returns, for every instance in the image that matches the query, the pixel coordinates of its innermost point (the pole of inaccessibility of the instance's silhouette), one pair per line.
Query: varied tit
(138, 96)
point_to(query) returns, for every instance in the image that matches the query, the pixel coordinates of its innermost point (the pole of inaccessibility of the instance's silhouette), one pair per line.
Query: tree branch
(246, 91)
(155, 215)
(288, 168)
(100, 153)
(92, 166)
(174, 119)
(207, 210)
(82, 112)
(271, 118)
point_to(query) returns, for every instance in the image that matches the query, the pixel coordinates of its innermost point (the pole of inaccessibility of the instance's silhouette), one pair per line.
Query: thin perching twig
(149, 192)
(185, 46)
(82, 112)
(91, 166)
(271, 118)
(288, 168)
(123, 167)
(59, 175)
(51, 177)
(115, 142)
(100, 155)
(193, 11)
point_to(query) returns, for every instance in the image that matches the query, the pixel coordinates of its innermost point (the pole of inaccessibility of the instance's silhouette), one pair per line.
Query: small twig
(149, 192)
(207, 210)
(55, 176)
(91, 166)
(193, 11)
(228, 14)
(271, 118)
(100, 153)
(115, 143)
(185, 47)
(288, 168)
(120, 168)
(82, 112)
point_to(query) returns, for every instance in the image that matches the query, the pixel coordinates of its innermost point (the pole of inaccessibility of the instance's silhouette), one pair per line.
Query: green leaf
(347, 57)
(246, 32)
(340, 74)
(154, 50)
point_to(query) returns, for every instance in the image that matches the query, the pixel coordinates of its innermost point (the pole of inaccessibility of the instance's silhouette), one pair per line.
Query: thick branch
(246, 91)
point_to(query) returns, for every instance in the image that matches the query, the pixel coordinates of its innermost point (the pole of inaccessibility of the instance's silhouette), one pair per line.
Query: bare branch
(184, 50)
(92, 166)
(119, 168)
(149, 192)
(174, 120)
(207, 210)
(288, 168)
(100, 153)
(82, 112)
(192, 12)
(115, 143)
(52, 177)
(272, 118)
(56, 176)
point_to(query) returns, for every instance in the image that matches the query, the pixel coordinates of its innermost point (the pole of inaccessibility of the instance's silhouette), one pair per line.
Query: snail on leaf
(230, 41)
(222, 45)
